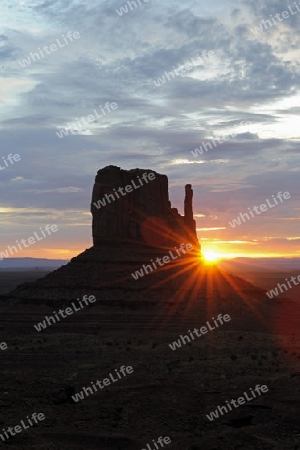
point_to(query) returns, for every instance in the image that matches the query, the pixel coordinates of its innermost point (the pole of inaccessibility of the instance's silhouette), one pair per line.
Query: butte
(130, 232)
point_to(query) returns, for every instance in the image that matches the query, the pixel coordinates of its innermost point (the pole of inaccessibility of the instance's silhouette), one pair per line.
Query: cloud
(66, 190)
(252, 78)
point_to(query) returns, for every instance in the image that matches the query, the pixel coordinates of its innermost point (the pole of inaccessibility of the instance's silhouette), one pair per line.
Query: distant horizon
(232, 257)
(32, 258)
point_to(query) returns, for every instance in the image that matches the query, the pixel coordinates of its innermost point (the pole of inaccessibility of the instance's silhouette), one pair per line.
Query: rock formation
(130, 231)
(131, 226)
(188, 209)
(133, 206)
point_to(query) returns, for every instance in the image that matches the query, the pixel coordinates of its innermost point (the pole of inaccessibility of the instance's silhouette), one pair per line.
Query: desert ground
(169, 392)
(10, 279)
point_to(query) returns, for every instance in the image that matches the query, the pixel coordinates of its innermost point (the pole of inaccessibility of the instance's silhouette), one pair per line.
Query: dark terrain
(267, 274)
(11, 278)
(170, 392)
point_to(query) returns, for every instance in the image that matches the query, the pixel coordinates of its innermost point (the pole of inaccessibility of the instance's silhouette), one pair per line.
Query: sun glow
(210, 257)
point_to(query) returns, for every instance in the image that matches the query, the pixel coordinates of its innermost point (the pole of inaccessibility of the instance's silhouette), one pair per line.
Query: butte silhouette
(133, 228)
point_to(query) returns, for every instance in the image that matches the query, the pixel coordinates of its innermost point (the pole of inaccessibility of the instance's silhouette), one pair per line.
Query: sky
(247, 92)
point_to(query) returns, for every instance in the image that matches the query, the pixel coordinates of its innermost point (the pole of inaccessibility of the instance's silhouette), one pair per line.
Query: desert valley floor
(170, 392)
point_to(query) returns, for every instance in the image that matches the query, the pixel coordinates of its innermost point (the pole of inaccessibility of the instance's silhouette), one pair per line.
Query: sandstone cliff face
(143, 215)
(128, 231)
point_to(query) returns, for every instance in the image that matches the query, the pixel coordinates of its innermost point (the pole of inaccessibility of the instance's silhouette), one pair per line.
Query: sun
(210, 257)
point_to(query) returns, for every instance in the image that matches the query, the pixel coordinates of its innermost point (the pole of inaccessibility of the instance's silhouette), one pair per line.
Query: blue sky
(252, 78)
